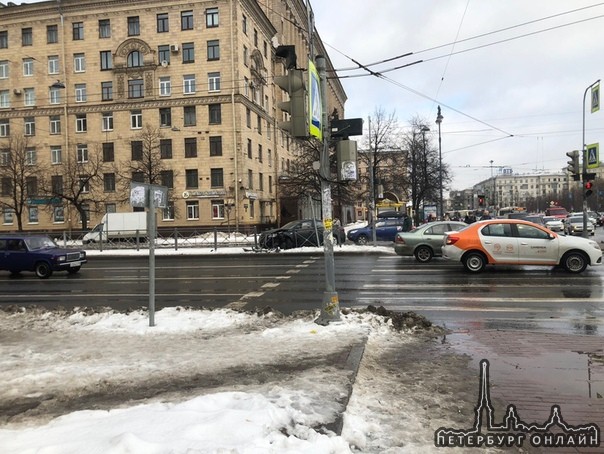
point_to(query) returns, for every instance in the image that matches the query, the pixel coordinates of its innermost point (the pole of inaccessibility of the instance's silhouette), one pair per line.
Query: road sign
(593, 156)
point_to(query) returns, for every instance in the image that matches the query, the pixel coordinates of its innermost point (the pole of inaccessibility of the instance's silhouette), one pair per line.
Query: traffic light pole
(330, 309)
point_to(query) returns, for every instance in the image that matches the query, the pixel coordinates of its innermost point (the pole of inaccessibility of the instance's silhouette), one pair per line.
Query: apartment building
(95, 95)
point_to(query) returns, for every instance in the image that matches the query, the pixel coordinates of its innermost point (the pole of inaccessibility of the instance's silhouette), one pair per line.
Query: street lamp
(439, 119)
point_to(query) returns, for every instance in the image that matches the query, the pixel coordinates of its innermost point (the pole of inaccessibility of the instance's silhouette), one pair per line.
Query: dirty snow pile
(218, 381)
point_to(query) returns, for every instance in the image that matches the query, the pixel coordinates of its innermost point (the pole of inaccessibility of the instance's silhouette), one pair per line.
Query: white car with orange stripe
(518, 242)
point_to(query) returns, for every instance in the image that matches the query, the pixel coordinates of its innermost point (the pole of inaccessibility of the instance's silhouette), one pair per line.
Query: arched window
(135, 59)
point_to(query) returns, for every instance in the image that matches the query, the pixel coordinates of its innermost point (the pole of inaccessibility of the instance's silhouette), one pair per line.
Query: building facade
(94, 95)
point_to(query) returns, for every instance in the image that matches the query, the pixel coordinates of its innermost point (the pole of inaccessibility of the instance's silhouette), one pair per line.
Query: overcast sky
(509, 75)
(526, 82)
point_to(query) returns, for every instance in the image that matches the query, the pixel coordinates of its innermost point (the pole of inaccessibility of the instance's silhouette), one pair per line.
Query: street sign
(593, 156)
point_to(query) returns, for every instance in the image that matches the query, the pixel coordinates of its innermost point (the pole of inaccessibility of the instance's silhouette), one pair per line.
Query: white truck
(116, 226)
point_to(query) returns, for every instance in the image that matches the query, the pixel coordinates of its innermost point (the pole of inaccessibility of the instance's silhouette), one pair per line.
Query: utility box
(346, 154)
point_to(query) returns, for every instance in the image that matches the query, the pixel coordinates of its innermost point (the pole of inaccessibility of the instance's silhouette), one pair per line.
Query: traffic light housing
(574, 167)
(294, 84)
(588, 188)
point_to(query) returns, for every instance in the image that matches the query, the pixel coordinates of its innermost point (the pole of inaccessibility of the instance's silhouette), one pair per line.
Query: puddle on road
(569, 373)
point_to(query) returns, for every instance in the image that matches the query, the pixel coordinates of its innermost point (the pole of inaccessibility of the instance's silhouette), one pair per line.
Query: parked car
(553, 223)
(573, 225)
(298, 234)
(37, 253)
(385, 230)
(518, 242)
(425, 241)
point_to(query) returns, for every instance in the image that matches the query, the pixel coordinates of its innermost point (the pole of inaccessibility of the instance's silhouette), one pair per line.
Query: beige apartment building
(96, 94)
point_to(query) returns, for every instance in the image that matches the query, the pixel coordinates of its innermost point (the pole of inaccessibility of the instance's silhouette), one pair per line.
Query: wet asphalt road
(501, 298)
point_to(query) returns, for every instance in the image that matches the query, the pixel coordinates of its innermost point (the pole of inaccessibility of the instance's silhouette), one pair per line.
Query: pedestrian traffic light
(573, 165)
(293, 84)
(588, 188)
(481, 200)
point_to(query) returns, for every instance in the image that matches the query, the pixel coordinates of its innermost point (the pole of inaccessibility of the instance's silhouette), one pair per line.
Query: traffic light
(294, 84)
(588, 188)
(573, 165)
(481, 200)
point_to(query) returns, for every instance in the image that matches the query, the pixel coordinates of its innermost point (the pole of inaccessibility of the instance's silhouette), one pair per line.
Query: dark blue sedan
(385, 230)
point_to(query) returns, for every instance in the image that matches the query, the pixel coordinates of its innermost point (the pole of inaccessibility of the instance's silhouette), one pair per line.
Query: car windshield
(41, 242)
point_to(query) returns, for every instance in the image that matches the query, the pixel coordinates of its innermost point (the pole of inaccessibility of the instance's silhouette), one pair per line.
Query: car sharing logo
(554, 433)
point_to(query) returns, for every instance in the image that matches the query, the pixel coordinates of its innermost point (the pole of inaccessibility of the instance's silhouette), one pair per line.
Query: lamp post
(439, 119)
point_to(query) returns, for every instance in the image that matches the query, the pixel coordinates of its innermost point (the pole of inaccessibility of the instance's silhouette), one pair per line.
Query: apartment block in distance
(95, 95)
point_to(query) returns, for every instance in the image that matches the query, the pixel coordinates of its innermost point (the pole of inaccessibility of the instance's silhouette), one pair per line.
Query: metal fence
(166, 238)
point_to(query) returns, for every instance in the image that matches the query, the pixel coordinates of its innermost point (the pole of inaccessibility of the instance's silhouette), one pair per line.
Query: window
(163, 24)
(135, 59)
(53, 64)
(104, 28)
(190, 147)
(133, 26)
(136, 147)
(52, 34)
(190, 116)
(213, 50)
(107, 121)
(166, 178)
(192, 178)
(80, 92)
(31, 158)
(186, 20)
(82, 153)
(56, 184)
(109, 182)
(106, 60)
(55, 124)
(108, 152)
(3, 40)
(211, 17)
(192, 210)
(136, 119)
(188, 84)
(29, 97)
(27, 38)
(107, 91)
(165, 116)
(58, 215)
(32, 214)
(216, 146)
(56, 155)
(165, 148)
(4, 69)
(4, 127)
(217, 209)
(77, 30)
(188, 52)
(214, 114)
(28, 66)
(4, 99)
(213, 81)
(163, 53)
(165, 86)
(29, 126)
(79, 62)
(216, 178)
(135, 88)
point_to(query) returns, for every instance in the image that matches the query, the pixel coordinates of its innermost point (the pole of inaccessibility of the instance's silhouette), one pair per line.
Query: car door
(535, 246)
(499, 242)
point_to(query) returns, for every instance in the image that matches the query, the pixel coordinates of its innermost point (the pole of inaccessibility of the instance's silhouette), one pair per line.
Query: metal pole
(330, 310)
(584, 149)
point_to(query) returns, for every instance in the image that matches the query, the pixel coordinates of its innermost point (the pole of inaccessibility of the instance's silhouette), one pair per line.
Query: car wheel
(73, 270)
(574, 262)
(423, 254)
(43, 270)
(362, 240)
(474, 262)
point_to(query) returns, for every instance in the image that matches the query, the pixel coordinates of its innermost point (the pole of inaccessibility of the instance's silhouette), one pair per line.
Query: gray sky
(524, 82)
(513, 97)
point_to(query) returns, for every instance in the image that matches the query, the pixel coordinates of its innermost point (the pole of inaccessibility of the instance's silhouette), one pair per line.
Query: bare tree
(21, 176)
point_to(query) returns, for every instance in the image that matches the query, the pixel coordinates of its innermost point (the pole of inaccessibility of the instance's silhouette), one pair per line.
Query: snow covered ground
(221, 382)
